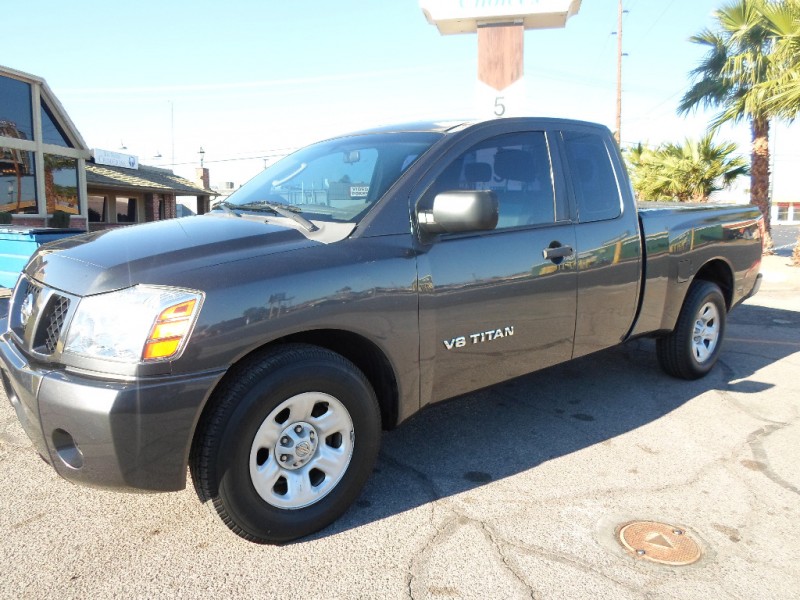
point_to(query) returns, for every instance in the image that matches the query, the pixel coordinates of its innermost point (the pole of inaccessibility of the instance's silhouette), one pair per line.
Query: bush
(59, 220)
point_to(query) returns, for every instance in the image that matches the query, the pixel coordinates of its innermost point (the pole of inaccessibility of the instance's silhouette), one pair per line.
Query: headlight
(138, 324)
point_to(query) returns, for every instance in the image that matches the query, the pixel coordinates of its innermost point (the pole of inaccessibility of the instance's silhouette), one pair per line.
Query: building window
(51, 130)
(17, 181)
(16, 119)
(126, 210)
(61, 184)
(783, 212)
(98, 209)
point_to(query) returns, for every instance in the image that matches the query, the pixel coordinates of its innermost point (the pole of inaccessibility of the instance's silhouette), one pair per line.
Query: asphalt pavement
(514, 492)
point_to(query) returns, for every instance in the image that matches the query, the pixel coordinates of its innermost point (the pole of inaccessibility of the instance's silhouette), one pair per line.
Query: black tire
(227, 459)
(684, 354)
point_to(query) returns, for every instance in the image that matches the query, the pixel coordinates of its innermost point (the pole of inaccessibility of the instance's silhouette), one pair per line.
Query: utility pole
(618, 132)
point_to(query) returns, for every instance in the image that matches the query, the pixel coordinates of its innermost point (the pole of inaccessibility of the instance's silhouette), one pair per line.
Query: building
(119, 196)
(785, 213)
(52, 185)
(42, 155)
(45, 166)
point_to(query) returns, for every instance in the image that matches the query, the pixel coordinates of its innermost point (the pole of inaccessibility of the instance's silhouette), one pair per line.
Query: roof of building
(145, 178)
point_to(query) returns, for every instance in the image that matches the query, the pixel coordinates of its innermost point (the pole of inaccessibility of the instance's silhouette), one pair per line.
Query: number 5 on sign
(509, 102)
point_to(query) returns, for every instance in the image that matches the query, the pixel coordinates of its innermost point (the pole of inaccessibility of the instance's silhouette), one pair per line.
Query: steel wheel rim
(705, 336)
(301, 450)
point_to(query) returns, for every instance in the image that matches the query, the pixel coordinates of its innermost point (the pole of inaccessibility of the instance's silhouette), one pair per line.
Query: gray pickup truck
(267, 344)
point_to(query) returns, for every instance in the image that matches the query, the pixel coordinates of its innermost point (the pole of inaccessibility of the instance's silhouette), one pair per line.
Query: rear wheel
(288, 444)
(692, 349)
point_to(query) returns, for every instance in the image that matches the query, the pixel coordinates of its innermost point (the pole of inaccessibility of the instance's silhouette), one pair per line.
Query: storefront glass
(97, 209)
(61, 184)
(17, 181)
(16, 119)
(51, 130)
(126, 210)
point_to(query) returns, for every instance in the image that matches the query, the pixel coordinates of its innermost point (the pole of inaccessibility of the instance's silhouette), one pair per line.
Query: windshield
(334, 181)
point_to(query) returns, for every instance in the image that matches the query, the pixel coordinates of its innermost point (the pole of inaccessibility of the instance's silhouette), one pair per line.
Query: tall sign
(500, 25)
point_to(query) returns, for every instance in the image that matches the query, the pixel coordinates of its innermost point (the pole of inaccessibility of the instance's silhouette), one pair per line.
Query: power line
(658, 18)
(222, 160)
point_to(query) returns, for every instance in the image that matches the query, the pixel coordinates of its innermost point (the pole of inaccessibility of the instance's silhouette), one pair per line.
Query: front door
(498, 304)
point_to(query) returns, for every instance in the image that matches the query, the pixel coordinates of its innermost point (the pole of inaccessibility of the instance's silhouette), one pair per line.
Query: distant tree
(691, 171)
(731, 77)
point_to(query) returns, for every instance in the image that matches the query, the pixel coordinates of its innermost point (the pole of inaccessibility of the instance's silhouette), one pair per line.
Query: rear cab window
(594, 182)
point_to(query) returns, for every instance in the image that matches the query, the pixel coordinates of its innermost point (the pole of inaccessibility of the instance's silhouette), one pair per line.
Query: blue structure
(18, 243)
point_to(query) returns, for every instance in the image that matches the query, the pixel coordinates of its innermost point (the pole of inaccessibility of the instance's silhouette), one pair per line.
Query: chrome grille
(32, 289)
(38, 318)
(26, 298)
(55, 322)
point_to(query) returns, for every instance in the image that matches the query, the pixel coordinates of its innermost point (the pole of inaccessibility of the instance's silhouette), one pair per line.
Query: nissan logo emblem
(26, 310)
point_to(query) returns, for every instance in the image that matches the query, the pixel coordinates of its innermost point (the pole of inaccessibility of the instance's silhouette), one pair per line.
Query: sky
(249, 80)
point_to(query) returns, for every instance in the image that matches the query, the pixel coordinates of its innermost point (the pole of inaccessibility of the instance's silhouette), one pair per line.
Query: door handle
(557, 253)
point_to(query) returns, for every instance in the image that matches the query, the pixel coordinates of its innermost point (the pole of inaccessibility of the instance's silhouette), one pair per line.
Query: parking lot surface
(517, 491)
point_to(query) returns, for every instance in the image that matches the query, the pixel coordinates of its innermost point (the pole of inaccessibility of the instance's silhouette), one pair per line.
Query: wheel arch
(718, 271)
(365, 355)
(362, 352)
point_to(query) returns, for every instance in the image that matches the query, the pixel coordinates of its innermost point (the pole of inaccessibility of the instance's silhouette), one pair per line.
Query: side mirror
(460, 211)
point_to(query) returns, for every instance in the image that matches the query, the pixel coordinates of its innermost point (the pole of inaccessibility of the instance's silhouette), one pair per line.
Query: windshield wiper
(227, 207)
(279, 209)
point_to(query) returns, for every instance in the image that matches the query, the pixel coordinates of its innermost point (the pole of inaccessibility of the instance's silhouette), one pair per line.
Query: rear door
(608, 242)
(492, 306)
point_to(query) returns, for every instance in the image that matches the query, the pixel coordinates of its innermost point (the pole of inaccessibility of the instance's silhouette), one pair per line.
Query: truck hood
(155, 252)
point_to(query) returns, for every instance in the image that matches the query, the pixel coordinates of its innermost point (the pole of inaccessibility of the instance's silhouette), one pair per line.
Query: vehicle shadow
(456, 446)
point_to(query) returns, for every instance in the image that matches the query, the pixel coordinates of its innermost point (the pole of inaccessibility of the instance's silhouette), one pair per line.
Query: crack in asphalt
(447, 528)
(728, 391)
(492, 536)
(756, 442)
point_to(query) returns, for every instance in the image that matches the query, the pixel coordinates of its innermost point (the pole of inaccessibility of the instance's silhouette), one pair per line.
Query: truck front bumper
(132, 435)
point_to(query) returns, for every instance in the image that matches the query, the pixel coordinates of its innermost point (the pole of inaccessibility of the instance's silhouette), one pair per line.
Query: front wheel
(691, 350)
(288, 444)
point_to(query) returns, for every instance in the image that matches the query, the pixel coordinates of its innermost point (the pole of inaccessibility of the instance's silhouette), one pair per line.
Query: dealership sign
(465, 16)
(115, 159)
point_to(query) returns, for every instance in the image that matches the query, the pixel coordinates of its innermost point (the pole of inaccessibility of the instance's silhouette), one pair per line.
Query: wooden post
(500, 56)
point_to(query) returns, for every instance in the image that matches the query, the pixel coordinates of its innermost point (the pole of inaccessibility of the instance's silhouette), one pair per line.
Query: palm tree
(730, 77)
(782, 89)
(691, 171)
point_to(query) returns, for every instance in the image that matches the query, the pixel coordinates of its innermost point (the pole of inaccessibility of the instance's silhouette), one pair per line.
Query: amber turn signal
(169, 330)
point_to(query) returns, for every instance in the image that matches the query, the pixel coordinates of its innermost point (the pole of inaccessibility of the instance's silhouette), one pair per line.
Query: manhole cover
(659, 542)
